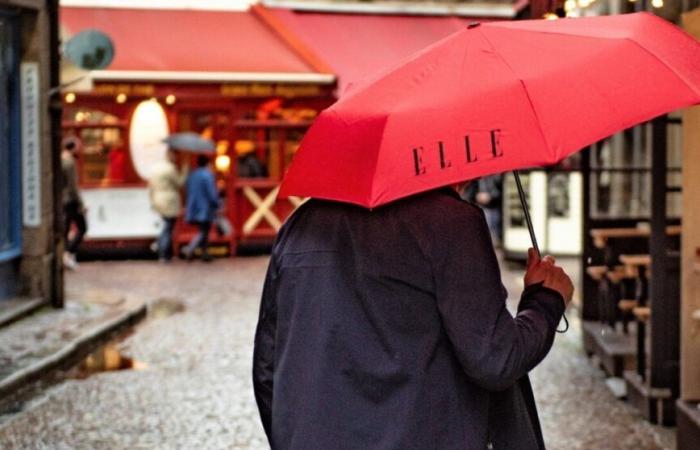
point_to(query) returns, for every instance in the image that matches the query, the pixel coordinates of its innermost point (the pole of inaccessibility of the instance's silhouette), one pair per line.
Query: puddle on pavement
(165, 307)
(110, 357)
(106, 359)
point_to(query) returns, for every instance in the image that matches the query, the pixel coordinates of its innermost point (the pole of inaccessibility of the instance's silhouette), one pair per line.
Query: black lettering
(443, 162)
(496, 144)
(418, 161)
(468, 148)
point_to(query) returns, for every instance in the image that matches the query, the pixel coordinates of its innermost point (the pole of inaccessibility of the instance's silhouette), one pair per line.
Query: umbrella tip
(473, 25)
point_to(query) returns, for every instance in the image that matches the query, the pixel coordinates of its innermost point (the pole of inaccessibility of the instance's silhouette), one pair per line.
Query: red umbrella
(491, 98)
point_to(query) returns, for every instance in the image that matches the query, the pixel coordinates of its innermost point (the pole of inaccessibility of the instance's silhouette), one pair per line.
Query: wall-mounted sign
(31, 154)
(90, 50)
(270, 90)
(146, 90)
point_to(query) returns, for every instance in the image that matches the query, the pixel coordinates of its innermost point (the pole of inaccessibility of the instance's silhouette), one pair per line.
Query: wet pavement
(193, 387)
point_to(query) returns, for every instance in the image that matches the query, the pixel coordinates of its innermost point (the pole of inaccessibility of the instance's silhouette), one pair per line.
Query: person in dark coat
(201, 206)
(388, 329)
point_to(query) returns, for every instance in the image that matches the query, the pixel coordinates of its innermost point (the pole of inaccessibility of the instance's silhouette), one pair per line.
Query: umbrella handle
(531, 229)
(526, 210)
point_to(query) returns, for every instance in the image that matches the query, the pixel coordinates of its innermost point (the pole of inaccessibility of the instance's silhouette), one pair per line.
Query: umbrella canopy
(494, 97)
(190, 142)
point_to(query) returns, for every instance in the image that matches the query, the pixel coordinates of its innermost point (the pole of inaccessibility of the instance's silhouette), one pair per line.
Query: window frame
(14, 249)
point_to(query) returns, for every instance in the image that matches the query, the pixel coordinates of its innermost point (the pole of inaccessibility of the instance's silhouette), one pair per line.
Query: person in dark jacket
(388, 329)
(201, 206)
(73, 207)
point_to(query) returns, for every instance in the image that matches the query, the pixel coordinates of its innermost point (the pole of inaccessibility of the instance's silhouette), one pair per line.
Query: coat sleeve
(264, 349)
(211, 192)
(494, 348)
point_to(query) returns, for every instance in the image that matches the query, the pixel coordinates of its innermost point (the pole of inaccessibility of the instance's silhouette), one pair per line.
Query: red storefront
(225, 75)
(241, 78)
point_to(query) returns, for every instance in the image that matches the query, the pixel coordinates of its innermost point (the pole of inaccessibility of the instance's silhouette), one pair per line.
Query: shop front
(255, 110)
(554, 197)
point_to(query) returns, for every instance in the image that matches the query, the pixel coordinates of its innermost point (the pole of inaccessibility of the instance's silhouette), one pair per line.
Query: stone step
(36, 346)
(15, 309)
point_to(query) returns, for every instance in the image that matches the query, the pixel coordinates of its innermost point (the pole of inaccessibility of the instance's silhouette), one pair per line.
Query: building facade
(29, 163)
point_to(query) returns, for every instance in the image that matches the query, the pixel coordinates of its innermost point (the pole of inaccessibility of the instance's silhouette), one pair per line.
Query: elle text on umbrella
(471, 152)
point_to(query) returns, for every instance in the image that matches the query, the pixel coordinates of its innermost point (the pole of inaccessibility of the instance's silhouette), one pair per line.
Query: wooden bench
(596, 272)
(642, 313)
(627, 305)
(633, 263)
(601, 235)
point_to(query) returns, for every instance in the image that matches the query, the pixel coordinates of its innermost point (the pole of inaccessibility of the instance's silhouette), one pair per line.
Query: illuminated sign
(270, 90)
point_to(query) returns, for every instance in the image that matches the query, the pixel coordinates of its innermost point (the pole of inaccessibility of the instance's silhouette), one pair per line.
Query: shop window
(621, 174)
(102, 157)
(273, 130)
(10, 220)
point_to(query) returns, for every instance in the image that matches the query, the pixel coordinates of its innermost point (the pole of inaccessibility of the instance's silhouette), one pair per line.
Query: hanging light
(121, 98)
(657, 3)
(569, 5)
(222, 163)
(70, 97)
(170, 99)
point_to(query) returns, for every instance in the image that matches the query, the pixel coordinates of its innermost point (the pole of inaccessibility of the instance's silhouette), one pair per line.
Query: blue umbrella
(190, 142)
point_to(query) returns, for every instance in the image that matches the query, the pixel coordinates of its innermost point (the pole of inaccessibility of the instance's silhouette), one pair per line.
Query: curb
(72, 353)
(22, 310)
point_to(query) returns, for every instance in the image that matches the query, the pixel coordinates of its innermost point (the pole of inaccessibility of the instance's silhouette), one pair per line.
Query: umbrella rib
(655, 56)
(527, 93)
(376, 160)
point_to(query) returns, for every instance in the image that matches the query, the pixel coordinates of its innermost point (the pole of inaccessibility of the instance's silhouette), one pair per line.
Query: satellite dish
(90, 50)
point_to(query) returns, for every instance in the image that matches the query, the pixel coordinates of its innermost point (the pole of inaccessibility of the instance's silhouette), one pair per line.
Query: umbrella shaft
(526, 210)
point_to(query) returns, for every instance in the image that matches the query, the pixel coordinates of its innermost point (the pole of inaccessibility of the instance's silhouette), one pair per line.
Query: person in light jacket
(164, 190)
(201, 206)
(388, 329)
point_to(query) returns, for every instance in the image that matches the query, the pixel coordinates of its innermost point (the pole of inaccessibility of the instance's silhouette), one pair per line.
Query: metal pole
(526, 210)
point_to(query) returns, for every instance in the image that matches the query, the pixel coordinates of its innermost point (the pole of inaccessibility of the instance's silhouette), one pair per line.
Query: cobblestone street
(195, 390)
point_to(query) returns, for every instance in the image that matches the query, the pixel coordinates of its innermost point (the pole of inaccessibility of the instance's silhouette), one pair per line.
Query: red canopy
(188, 41)
(356, 45)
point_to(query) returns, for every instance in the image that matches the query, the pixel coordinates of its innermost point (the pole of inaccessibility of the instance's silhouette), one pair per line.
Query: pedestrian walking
(164, 191)
(389, 329)
(201, 206)
(487, 193)
(73, 206)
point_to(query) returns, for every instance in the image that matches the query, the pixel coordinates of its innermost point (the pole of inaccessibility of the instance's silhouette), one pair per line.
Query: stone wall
(39, 270)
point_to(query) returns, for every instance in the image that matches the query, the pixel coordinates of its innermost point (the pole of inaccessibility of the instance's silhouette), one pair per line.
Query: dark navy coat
(202, 197)
(388, 329)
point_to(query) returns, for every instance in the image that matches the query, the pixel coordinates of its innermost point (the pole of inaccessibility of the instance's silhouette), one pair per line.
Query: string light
(657, 3)
(550, 16)
(70, 97)
(170, 99)
(121, 98)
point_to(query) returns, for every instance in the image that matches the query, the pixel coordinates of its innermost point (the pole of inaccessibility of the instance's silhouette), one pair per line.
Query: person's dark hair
(70, 146)
(202, 160)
